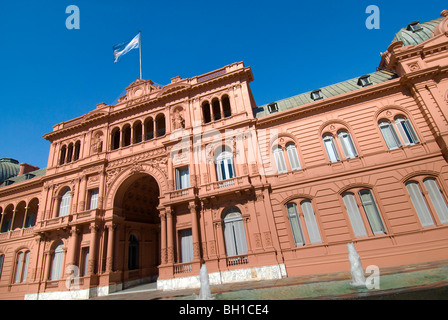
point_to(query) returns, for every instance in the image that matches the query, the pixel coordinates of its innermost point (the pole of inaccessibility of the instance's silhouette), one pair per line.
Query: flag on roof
(125, 47)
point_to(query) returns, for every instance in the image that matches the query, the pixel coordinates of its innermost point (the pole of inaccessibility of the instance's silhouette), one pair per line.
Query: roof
(24, 177)
(327, 92)
(8, 168)
(409, 37)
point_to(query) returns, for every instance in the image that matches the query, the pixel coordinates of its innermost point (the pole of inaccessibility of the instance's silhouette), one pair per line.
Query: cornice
(326, 103)
(147, 100)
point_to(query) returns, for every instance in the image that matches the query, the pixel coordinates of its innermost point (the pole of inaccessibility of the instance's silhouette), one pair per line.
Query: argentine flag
(125, 47)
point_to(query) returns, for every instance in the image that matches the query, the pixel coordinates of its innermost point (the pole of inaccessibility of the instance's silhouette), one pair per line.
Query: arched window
(428, 203)
(234, 233)
(160, 125)
(115, 141)
(133, 252)
(347, 144)
(77, 150)
(137, 132)
(149, 129)
(226, 106)
(305, 217)
(70, 153)
(406, 130)
(293, 156)
(127, 135)
(330, 146)
(216, 108)
(21, 267)
(206, 115)
(64, 205)
(63, 155)
(280, 160)
(370, 216)
(224, 165)
(57, 261)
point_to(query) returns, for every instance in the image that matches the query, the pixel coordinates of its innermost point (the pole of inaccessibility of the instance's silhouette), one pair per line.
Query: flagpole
(140, 52)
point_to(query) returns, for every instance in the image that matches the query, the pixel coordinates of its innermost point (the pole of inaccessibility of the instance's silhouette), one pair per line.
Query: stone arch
(333, 126)
(136, 170)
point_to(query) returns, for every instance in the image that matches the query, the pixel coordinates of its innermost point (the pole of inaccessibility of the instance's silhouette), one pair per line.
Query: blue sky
(50, 74)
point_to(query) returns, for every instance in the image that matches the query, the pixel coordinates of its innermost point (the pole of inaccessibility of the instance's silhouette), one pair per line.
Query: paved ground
(420, 281)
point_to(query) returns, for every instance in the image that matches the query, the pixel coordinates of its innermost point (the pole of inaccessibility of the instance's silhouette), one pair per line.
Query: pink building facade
(195, 172)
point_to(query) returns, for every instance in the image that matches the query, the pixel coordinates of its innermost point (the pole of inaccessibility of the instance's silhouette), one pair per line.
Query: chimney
(25, 168)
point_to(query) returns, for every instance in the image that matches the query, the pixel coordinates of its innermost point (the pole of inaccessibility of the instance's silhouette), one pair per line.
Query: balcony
(18, 233)
(67, 221)
(235, 185)
(237, 260)
(182, 195)
(180, 268)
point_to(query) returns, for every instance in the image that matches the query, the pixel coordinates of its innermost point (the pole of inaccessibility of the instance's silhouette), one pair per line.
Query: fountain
(358, 278)
(205, 292)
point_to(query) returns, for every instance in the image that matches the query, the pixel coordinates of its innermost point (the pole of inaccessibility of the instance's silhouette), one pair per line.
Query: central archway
(136, 202)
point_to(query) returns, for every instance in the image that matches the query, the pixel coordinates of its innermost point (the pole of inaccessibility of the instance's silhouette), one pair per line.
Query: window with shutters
(57, 261)
(346, 142)
(363, 213)
(93, 199)
(21, 266)
(64, 204)
(407, 133)
(280, 160)
(330, 147)
(303, 223)
(182, 178)
(285, 155)
(186, 245)
(397, 129)
(428, 201)
(225, 168)
(234, 232)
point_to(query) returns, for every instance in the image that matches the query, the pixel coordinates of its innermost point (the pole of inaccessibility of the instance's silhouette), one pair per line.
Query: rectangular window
(347, 145)
(406, 131)
(354, 215)
(310, 221)
(84, 261)
(272, 107)
(19, 264)
(294, 221)
(182, 178)
(186, 245)
(293, 157)
(372, 213)
(419, 204)
(25, 266)
(437, 199)
(331, 149)
(93, 195)
(280, 160)
(389, 135)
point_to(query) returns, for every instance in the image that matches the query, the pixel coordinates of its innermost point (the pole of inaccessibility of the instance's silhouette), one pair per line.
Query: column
(110, 247)
(73, 249)
(195, 231)
(163, 248)
(25, 216)
(82, 194)
(92, 249)
(170, 235)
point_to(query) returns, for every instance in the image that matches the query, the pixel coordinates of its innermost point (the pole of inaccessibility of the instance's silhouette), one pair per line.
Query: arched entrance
(136, 202)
